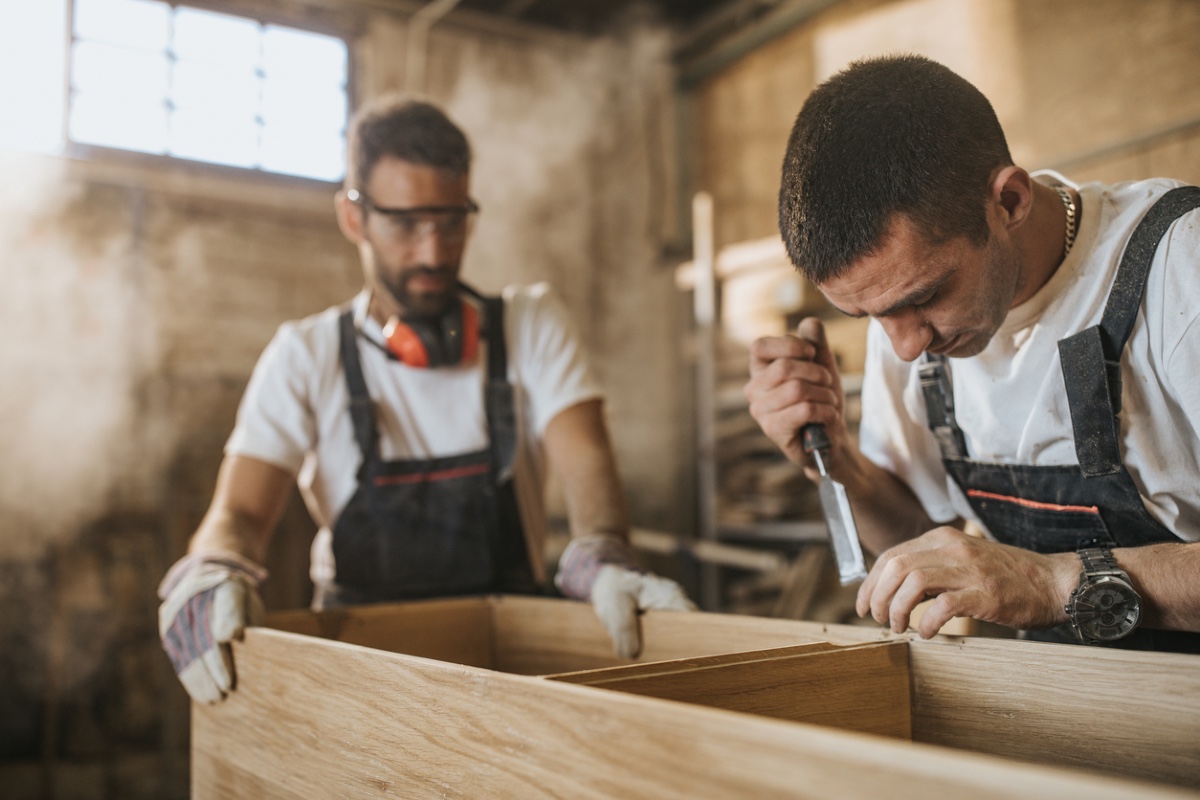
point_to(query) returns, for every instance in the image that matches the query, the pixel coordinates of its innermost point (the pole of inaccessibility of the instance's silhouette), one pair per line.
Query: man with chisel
(1032, 366)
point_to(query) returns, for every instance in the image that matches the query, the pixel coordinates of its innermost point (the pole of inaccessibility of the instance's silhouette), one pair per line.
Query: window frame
(339, 24)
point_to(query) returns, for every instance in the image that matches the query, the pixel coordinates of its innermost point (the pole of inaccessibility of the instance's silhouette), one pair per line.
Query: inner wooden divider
(863, 688)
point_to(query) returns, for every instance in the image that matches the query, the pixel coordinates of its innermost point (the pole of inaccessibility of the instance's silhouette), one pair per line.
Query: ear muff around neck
(448, 340)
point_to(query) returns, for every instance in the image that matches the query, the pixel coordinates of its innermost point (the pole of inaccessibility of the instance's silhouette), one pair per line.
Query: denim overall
(442, 526)
(1056, 509)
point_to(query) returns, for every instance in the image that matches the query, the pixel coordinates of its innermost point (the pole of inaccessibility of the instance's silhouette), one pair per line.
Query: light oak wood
(538, 636)
(1135, 715)
(315, 718)
(862, 688)
(593, 677)
(1111, 711)
(459, 630)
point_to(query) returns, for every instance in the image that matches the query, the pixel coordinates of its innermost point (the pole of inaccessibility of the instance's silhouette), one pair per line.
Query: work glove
(602, 570)
(208, 600)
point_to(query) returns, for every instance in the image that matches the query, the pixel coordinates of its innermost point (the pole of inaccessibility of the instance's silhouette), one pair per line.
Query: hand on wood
(967, 577)
(618, 594)
(208, 600)
(602, 570)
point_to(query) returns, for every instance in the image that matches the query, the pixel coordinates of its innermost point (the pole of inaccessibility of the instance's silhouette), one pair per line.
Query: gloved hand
(208, 600)
(602, 569)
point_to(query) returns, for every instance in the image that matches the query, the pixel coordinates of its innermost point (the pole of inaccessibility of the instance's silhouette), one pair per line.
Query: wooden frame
(522, 697)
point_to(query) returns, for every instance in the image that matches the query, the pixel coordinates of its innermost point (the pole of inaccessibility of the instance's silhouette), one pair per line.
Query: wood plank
(456, 630)
(543, 636)
(862, 688)
(1116, 712)
(317, 718)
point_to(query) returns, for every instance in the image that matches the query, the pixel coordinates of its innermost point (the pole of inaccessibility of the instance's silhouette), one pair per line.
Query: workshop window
(195, 84)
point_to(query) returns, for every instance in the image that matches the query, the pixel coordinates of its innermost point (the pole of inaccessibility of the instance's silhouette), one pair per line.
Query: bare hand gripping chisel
(835, 503)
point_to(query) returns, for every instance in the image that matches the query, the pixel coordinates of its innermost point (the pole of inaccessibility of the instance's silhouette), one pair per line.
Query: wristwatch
(1104, 607)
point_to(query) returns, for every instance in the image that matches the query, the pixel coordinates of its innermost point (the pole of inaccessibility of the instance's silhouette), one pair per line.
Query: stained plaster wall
(138, 295)
(1100, 90)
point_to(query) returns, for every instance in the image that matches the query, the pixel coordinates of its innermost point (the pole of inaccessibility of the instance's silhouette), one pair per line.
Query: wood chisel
(835, 503)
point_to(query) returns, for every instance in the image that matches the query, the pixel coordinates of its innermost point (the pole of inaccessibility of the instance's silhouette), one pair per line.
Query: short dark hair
(886, 136)
(406, 128)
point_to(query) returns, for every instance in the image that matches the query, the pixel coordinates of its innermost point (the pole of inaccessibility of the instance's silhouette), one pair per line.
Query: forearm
(1165, 575)
(885, 509)
(223, 529)
(248, 501)
(580, 452)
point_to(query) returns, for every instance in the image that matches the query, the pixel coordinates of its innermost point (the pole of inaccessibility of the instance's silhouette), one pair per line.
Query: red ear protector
(450, 340)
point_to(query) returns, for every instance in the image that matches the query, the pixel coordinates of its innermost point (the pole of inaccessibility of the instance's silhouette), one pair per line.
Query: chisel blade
(843, 533)
(835, 504)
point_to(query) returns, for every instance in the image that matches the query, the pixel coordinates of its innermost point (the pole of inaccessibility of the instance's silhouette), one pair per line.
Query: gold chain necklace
(1072, 218)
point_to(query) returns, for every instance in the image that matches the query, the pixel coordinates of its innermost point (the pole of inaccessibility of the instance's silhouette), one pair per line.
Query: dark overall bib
(1056, 509)
(432, 527)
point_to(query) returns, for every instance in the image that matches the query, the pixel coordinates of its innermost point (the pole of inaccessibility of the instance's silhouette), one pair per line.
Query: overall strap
(498, 394)
(939, 406)
(1091, 359)
(361, 412)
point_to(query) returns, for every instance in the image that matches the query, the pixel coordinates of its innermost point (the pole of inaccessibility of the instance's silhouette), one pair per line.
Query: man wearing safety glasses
(415, 418)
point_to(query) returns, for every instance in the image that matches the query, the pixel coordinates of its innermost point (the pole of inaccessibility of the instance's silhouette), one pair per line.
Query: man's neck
(1042, 242)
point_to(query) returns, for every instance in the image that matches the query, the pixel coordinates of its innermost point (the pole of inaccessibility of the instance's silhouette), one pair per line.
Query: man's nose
(431, 246)
(910, 334)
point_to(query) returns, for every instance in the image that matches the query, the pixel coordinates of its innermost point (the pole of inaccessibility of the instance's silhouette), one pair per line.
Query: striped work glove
(208, 600)
(602, 570)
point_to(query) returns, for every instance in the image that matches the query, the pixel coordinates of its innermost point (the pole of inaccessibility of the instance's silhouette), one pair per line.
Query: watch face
(1107, 609)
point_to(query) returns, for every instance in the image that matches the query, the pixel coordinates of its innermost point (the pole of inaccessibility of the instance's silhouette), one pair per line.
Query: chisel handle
(814, 437)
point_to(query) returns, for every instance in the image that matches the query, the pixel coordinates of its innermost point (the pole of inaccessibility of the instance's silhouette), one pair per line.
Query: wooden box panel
(862, 688)
(439, 699)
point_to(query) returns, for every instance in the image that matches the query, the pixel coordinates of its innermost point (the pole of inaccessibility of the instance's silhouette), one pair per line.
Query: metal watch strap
(1100, 561)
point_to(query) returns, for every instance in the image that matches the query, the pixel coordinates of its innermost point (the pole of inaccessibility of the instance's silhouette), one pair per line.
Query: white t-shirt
(295, 412)
(1010, 400)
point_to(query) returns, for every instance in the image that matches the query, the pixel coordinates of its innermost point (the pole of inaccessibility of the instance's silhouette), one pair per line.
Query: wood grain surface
(315, 718)
(861, 688)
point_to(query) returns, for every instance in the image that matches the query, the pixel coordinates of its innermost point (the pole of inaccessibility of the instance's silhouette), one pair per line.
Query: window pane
(111, 120)
(301, 151)
(208, 36)
(304, 56)
(294, 103)
(119, 71)
(203, 87)
(142, 24)
(224, 139)
(32, 74)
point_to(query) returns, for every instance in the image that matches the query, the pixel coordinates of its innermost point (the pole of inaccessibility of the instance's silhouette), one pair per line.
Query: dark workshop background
(137, 292)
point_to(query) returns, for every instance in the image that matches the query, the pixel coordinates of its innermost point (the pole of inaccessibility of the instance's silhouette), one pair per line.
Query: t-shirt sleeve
(894, 433)
(275, 422)
(550, 362)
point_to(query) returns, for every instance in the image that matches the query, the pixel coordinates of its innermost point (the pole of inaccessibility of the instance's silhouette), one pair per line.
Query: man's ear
(1011, 195)
(350, 217)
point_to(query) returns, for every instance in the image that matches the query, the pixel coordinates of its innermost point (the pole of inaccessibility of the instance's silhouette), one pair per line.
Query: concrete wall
(138, 295)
